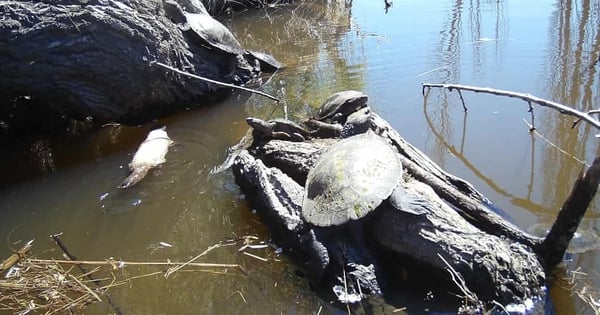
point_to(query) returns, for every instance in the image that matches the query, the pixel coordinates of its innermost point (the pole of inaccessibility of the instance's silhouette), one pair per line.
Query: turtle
(278, 128)
(265, 61)
(338, 106)
(356, 123)
(211, 33)
(351, 179)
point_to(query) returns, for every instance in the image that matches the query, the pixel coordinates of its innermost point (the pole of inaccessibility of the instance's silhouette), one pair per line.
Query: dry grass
(48, 286)
(45, 288)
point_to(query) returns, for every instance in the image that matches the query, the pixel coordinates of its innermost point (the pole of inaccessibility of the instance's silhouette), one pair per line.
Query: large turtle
(351, 179)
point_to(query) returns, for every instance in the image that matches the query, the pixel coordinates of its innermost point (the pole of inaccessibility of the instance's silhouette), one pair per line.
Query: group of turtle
(352, 177)
(204, 30)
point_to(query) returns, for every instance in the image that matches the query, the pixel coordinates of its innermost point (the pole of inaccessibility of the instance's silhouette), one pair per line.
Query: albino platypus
(149, 155)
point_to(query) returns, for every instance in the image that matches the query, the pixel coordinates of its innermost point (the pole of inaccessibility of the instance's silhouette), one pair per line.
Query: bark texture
(92, 59)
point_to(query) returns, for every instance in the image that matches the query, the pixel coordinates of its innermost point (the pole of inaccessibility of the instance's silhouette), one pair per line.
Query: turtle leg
(296, 137)
(280, 135)
(321, 129)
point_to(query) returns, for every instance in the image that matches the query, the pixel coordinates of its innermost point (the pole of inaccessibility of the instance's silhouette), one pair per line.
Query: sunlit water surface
(547, 49)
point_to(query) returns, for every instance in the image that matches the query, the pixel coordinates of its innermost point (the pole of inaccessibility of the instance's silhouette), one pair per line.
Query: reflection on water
(548, 49)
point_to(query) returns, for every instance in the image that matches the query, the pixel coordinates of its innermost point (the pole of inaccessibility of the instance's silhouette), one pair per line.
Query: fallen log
(433, 221)
(495, 259)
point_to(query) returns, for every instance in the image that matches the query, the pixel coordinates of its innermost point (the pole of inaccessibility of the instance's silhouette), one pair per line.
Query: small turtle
(351, 179)
(211, 33)
(265, 61)
(338, 106)
(356, 123)
(282, 129)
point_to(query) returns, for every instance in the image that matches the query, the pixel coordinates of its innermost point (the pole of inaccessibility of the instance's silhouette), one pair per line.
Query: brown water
(546, 48)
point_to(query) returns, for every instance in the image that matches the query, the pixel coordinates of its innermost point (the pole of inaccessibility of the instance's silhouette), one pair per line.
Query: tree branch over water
(554, 246)
(563, 109)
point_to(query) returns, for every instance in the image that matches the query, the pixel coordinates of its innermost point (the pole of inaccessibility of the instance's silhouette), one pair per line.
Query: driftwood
(93, 61)
(451, 226)
(500, 268)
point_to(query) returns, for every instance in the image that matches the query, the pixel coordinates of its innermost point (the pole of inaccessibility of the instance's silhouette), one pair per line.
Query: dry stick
(178, 267)
(90, 291)
(459, 281)
(563, 109)
(14, 258)
(134, 263)
(160, 64)
(58, 241)
(554, 246)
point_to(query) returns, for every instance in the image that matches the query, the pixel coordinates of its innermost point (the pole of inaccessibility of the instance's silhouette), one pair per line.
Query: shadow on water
(68, 184)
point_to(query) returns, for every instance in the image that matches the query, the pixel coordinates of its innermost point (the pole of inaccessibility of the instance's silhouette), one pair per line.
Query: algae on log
(495, 259)
(91, 59)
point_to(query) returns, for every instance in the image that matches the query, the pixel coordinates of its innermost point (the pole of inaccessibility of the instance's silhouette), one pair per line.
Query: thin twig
(255, 256)
(532, 126)
(86, 288)
(525, 97)
(535, 132)
(160, 64)
(128, 263)
(463, 101)
(176, 268)
(460, 282)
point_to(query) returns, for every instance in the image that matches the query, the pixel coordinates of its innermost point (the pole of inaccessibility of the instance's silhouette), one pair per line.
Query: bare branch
(233, 86)
(563, 109)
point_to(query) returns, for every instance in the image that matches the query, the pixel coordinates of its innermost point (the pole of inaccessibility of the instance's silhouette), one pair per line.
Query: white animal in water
(149, 155)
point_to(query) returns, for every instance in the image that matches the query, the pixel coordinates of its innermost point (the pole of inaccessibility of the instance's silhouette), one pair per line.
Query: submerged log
(496, 260)
(93, 60)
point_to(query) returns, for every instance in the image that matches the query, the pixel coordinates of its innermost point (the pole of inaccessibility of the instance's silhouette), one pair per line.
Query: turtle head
(358, 122)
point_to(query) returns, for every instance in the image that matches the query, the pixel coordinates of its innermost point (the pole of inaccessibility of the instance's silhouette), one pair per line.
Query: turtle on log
(338, 106)
(351, 179)
(208, 32)
(341, 115)
(281, 129)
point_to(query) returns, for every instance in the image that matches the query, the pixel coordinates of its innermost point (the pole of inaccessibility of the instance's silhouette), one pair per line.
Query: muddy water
(548, 49)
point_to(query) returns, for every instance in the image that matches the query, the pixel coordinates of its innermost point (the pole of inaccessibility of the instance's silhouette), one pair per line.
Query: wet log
(495, 259)
(554, 246)
(93, 59)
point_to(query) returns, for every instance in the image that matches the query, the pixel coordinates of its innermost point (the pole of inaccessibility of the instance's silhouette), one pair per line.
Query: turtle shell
(213, 33)
(350, 179)
(342, 103)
